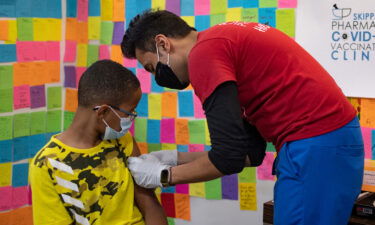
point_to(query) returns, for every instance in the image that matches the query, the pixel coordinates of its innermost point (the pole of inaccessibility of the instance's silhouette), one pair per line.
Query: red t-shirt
(282, 89)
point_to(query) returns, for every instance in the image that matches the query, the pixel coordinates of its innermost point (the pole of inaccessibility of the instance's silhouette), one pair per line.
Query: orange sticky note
(71, 29)
(22, 73)
(368, 112)
(143, 147)
(116, 54)
(53, 71)
(182, 206)
(4, 30)
(39, 73)
(169, 104)
(71, 100)
(118, 10)
(182, 132)
(20, 216)
(83, 32)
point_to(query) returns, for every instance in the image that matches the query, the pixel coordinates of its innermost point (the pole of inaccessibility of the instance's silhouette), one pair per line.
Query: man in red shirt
(255, 83)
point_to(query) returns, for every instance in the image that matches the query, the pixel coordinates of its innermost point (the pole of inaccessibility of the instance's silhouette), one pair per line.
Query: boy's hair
(106, 82)
(144, 27)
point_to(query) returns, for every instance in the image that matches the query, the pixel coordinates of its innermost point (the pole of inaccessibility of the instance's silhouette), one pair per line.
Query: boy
(81, 175)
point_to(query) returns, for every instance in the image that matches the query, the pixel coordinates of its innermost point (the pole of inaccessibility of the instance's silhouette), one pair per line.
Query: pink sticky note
(82, 10)
(264, 171)
(198, 110)
(182, 188)
(201, 7)
(104, 52)
(366, 134)
(130, 62)
(144, 78)
(6, 198)
(131, 130)
(70, 51)
(20, 196)
(167, 131)
(196, 148)
(53, 51)
(287, 4)
(21, 97)
(79, 72)
(30, 51)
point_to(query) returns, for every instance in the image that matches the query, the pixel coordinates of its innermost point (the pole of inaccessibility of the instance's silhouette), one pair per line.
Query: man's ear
(163, 43)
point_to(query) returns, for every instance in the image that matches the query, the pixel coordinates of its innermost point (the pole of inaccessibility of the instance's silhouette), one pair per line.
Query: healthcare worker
(251, 77)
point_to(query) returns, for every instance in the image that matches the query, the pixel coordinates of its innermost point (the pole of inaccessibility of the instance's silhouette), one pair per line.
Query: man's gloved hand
(146, 170)
(167, 157)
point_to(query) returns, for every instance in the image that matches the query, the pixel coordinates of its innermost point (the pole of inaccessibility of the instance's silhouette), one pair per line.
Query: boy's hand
(167, 157)
(146, 170)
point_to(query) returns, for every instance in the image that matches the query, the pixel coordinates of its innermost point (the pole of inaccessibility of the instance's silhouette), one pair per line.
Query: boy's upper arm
(136, 152)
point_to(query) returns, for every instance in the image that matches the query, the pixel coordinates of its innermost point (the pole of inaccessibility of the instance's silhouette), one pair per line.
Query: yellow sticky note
(82, 55)
(40, 29)
(207, 134)
(54, 29)
(234, 14)
(12, 32)
(189, 20)
(165, 146)
(197, 190)
(6, 174)
(158, 4)
(106, 9)
(94, 27)
(154, 106)
(248, 196)
(286, 21)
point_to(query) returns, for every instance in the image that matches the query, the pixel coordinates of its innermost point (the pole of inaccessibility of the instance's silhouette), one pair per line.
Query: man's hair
(145, 26)
(106, 82)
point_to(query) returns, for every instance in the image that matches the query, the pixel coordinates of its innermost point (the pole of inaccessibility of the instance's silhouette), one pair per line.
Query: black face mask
(165, 77)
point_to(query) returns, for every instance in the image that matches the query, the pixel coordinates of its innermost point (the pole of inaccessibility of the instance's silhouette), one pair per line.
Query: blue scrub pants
(319, 178)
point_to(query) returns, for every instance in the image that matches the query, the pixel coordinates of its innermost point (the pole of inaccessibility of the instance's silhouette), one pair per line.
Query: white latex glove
(167, 157)
(146, 170)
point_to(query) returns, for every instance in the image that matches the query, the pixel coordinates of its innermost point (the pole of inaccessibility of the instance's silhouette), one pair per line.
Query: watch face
(164, 177)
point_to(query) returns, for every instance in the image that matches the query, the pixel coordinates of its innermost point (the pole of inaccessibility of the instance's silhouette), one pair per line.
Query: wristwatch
(165, 177)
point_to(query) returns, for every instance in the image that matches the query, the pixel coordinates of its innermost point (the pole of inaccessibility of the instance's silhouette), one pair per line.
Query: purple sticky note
(118, 33)
(20, 196)
(173, 6)
(70, 76)
(37, 96)
(6, 198)
(167, 131)
(182, 188)
(229, 187)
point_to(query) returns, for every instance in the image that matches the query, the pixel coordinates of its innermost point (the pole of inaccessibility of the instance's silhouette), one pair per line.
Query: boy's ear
(102, 111)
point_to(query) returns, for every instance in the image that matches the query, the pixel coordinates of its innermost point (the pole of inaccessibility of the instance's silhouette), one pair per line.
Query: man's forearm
(187, 157)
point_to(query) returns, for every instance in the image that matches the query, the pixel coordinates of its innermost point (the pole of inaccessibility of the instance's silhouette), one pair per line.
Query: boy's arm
(146, 200)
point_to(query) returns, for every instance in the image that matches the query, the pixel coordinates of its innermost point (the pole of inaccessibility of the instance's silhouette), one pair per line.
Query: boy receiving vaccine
(80, 176)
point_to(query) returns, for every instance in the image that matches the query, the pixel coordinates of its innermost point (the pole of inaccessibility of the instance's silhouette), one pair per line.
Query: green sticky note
(270, 147)
(248, 175)
(197, 131)
(6, 125)
(92, 54)
(106, 32)
(286, 21)
(37, 122)
(250, 15)
(53, 121)
(140, 128)
(152, 147)
(21, 125)
(218, 6)
(217, 19)
(213, 189)
(6, 100)
(170, 221)
(267, 3)
(25, 29)
(54, 97)
(6, 77)
(68, 119)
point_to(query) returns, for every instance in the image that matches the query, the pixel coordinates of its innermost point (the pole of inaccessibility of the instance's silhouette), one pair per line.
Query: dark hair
(106, 82)
(144, 27)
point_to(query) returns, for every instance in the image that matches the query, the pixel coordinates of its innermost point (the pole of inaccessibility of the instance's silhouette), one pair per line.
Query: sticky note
(229, 187)
(20, 148)
(197, 189)
(170, 189)
(6, 198)
(37, 96)
(287, 3)
(169, 104)
(207, 134)
(166, 146)
(6, 174)
(250, 15)
(217, 19)
(182, 132)
(234, 3)
(213, 189)
(106, 9)
(47, 29)
(52, 50)
(285, 21)
(267, 16)
(158, 4)
(143, 148)
(82, 32)
(6, 76)
(6, 151)
(130, 62)
(201, 7)
(20, 216)
(140, 128)
(367, 112)
(153, 131)
(53, 9)
(21, 97)
(31, 51)
(182, 206)
(82, 55)
(185, 100)
(218, 6)
(22, 73)
(173, 6)
(37, 122)
(8, 53)
(142, 107)
(53, 71)
(198, 109)
(12, 31)
(92, 54)
(182, 148)
(82, 10)
(71, 30)
(234, 14)
(196, 148)
(248, 196)
(94, 27)
(8, 9)
(6, 99)
(144, 5)
(106, 32)
(118, 33)
(202, 22)
(104, 52)
(118, 10)
(94, 7)
(70, 76)
(190, 20)
(6, 124)
(20, 174)
(21, 125)
(167, 201)
(68, 119)
(268, 3)
(182, 188)
(23, 8)
(144, 78)
(264, 171)
(169, 219)
(79, 73)
(247, 175)
(71, 99)
(116, 54)
(152, 147)
(366, 135)
(20, 196)
(25, 29)
(270, 147)
(71, 8)
(168, 131)
(154, 106)
(54, 97)
(197, 131)
(4, 30)
(53, 122)
(36, 142)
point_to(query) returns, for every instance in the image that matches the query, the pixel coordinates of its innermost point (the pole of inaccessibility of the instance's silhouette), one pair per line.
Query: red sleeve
(211, 64)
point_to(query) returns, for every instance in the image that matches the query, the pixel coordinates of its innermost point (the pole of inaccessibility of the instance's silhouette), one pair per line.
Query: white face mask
(111, 133)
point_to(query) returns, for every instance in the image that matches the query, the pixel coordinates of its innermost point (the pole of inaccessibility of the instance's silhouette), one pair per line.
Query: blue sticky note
(250, 3)
(182, 148)
(134, 70)
(49, 136)
(142, 107)
(20, 148)
(24, 8)
(267, 16)
(131, 10)
(36, 142)
(7, 8)
(153, 131)
(155, 87)
(207, 148)
(373, 143)
(235, 3)
(71, 8)
(187, 7)
(143, 5)
(8, 53)
(94, 7)
(38, 9)
(171, 189)
(20, 174)
(6, 151)
(54, 9)
(185, 104)
(139, 65)
(202, 22)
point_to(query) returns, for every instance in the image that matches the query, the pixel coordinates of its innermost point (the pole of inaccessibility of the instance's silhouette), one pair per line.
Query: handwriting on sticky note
(248, 197)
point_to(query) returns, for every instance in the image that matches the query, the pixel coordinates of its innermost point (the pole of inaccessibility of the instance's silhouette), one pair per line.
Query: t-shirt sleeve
(211, 63)
(47, 205)
(127, 141)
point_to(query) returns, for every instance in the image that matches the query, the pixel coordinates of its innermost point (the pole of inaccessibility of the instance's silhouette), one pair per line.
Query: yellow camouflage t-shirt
(84, 186)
